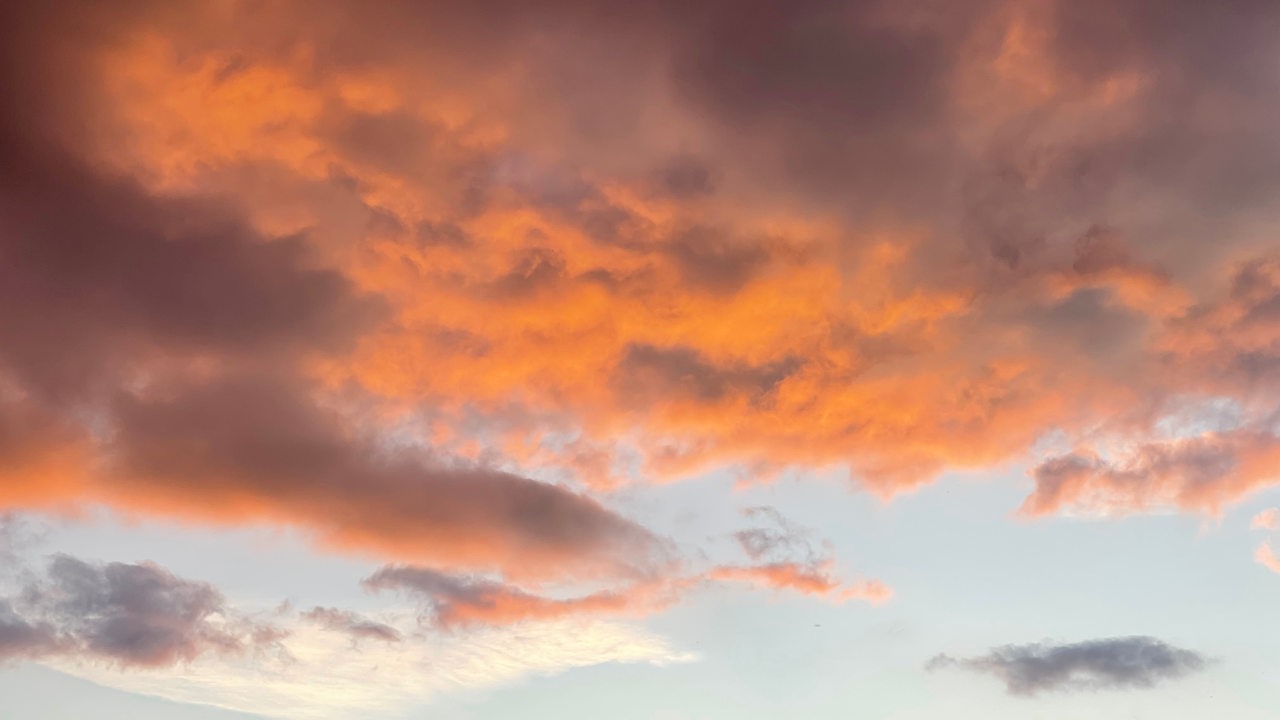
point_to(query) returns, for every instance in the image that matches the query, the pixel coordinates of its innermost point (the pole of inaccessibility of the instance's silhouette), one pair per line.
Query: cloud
(1268, 519)
(782, 558)
(785, 558)
(325, 678)
(127, 615)
(806, 579)
(1202, 472)
(800, 236)
(263, 449)
(453, 602)
(358, 627)
(1266, 557)
(164, 361)
(1110, 664)
(140, 628)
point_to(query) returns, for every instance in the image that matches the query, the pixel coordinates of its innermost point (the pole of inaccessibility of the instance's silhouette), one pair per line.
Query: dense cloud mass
(1111, 664)
(428, 281)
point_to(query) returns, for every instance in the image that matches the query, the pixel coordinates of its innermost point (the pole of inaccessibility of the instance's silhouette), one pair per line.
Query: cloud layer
(429, 281)
(1006, 241)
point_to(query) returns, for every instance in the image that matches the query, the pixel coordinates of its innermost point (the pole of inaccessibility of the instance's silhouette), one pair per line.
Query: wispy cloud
(787, 556)
(325, 678)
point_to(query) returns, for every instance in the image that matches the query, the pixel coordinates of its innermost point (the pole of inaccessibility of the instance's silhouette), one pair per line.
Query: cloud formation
(353, 624)
(1268, 519)
(139, 627)
(1266, 557)
(784, 557)
(1109, 664)
(453, 602)
(325, 678)
(289, 276)
(129, 615)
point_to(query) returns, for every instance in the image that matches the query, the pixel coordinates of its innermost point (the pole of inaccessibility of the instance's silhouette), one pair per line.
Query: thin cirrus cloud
(1109, 664)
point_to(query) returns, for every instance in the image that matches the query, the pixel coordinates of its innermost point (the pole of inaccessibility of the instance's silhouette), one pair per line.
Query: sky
(652, 360)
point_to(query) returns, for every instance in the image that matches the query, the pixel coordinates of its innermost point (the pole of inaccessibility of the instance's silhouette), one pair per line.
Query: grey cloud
(127, 614)
(1108, 664)
(686, 177)
(20, 638)
(236, 443)
(536, 269)
(353, 624)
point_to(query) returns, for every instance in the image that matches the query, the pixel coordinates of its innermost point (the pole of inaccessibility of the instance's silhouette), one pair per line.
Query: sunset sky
(650, 360)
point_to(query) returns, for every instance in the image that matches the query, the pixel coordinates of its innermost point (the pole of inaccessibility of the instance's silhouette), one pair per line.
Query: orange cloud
(726, 247)
(1203, 473)
(1266, 557)
(1268, 519)
(803, 579)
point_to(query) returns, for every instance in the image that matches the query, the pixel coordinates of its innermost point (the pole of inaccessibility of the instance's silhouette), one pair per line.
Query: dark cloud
(708, 259)
(1110, 664)
(167, 338)
(1038, 174)
(133, 615)
(21, 639)
(261, 446)
(101, 282)
(686, 177)
(99, 276)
